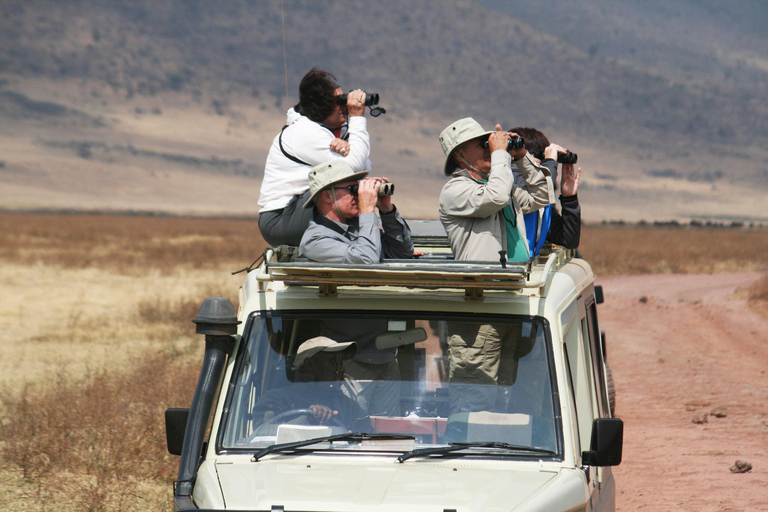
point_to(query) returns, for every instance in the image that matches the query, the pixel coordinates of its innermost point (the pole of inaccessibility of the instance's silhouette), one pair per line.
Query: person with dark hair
(319, 128)
(547, 224)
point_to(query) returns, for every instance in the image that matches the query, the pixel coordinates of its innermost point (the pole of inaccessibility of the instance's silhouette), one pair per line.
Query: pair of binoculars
(567, 157)
(387, 189)
(512, 143)
(371, 99)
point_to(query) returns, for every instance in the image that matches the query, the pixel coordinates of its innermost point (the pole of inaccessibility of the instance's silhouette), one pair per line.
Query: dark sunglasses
(330, 360)
(351, 188)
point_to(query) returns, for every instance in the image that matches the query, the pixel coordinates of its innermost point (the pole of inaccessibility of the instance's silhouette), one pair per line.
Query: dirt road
(679, 347)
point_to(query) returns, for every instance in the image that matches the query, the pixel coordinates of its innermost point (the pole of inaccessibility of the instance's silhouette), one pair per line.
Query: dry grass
(98, 343)
(615, 250)
(98, 339)
(130, 245)
(97, 443)
(127, 244)
(757, 295)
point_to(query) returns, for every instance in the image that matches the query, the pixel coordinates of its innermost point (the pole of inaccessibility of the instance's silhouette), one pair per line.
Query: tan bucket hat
(330, 173)
(457, 134)
(322, 344)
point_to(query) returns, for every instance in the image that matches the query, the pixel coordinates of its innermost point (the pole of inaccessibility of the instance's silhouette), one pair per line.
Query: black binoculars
(371, 99)
(387, 189)
(567, 158)
(512, 143)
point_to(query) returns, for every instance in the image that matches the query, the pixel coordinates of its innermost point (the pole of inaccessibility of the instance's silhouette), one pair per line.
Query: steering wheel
(297, 413)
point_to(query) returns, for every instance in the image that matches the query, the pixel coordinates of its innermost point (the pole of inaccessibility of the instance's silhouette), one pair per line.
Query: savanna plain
(97, 341)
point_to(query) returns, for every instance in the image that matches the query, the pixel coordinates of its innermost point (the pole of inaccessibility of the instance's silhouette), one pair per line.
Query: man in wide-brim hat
(344, 227)
(482, 212)
(480, 207)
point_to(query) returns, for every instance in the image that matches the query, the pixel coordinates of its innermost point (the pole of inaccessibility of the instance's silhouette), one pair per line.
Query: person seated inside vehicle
(316, 395)
(483, 361)
(375, 372)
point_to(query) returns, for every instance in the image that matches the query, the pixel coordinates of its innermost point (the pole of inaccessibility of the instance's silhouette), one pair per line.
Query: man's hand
(340, 146)
(552, 151)
(498, 140)
(356, 103)
(384, 203)
(322, 413)
(368, 194)
(570, 185)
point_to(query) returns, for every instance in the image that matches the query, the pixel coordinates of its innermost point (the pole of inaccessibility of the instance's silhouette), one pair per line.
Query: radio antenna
(285, 54)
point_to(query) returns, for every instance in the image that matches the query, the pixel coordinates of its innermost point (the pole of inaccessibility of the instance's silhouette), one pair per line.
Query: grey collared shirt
(359, 242)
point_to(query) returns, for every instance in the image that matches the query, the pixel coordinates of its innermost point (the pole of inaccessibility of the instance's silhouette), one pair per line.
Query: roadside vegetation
(99, 341)
(627, 249)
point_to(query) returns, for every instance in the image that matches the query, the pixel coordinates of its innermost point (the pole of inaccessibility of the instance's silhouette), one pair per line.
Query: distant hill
(673, 93)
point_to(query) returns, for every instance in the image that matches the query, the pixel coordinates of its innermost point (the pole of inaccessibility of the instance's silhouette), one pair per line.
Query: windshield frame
(256, 316)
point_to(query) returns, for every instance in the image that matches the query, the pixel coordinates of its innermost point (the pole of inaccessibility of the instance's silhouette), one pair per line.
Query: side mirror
(175, 427)
(607, 442)
(599, 299)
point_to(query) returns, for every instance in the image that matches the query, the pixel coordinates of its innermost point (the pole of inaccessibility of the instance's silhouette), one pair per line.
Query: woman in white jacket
(319, 128)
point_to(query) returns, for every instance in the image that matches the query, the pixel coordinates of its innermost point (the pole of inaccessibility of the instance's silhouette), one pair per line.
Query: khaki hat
(330, 173)
(457, 134)
(322, 344)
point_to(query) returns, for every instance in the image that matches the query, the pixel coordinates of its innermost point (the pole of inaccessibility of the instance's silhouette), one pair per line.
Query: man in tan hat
(480, 207)
(482, 212)
(318, 370)
(344, 227)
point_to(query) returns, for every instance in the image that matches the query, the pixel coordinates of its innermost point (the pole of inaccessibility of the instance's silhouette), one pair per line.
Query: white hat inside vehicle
(330, 173)
(322, 344)
(457, 134)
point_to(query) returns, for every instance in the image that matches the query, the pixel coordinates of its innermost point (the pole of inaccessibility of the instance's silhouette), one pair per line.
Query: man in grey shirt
(344, 229)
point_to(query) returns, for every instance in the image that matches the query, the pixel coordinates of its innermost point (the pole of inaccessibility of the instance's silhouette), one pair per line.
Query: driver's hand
(322, 413)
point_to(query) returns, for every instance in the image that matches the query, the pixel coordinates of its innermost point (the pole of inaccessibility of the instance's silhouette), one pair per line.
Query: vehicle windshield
(435, 378)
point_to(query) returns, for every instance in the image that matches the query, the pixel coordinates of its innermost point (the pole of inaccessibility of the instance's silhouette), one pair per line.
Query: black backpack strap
(289, 157)
(325, 221)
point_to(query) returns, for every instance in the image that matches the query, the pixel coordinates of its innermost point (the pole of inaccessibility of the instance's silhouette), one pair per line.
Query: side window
(578, 366)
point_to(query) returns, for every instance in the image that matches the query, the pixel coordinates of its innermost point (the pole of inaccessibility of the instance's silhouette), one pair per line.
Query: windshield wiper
(349, 436)
(454, 447)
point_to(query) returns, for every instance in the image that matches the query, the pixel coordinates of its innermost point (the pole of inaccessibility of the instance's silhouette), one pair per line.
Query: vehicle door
(587, 382)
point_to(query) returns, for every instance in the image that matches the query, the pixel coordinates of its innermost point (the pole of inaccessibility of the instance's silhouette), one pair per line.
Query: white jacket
(308, 141)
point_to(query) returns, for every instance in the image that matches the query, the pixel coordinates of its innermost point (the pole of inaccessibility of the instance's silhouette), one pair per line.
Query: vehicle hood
(324, 486)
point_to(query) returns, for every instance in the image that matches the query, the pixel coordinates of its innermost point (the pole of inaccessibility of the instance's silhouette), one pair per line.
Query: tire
(611, 390)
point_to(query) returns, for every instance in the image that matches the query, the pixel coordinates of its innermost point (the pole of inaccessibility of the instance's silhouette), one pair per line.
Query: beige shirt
(470, 210)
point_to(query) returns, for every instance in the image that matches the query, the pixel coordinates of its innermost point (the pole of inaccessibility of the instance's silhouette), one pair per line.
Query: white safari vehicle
(529, 431)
